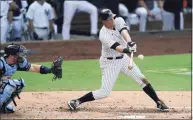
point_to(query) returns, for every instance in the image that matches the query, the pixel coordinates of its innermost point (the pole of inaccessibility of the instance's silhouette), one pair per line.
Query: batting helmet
(106, 14)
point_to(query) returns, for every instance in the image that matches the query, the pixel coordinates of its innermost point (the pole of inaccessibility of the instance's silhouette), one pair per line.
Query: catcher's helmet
(15, 49)
(106, 14)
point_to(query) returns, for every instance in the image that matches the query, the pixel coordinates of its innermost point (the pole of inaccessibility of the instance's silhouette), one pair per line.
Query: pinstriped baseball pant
(110, 71)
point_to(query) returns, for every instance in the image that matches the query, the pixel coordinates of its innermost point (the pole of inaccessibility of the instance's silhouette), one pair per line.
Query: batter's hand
(132, 46)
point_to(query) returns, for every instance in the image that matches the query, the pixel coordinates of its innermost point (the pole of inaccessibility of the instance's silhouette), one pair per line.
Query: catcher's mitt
(57, 68)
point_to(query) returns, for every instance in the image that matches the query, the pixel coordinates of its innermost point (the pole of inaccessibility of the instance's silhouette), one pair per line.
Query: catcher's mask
(15, 49)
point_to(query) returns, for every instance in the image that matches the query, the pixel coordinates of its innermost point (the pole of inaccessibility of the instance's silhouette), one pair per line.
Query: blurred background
(78, 19)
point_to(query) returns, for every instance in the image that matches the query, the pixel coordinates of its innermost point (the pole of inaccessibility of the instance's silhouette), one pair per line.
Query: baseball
(140, 57)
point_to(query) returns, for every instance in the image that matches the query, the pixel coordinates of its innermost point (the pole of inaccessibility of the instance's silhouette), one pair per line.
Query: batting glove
(132, 46)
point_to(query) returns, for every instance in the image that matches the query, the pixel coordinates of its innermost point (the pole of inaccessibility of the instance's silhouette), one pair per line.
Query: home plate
(132, 117)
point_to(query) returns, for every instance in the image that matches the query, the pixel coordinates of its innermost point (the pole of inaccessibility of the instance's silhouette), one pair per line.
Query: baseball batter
(116, 43)
(14, 59)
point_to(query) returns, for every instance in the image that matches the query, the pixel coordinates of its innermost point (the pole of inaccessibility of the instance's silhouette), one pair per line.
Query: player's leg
(85, 6)
(17, 27)
(181, 21)
(142, 13)
(109, 76)
(44, 34)
(3, 29)
(168, 20)
(40, 33)
(9, 89)
(69, 11)
(136, 74)
(55, 29)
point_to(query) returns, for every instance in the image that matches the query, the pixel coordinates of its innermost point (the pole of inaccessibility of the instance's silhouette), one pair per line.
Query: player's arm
(39, 69)
(10, 17)
(55, 69)
(26, 66)
(30, 16)
(12, 7)
(126, 35)
(51, 17)
(120, 48)
(51, 24)
(123, 29)
(31, 27)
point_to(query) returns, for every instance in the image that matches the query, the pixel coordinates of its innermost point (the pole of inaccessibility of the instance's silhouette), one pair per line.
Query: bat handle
(131, 61)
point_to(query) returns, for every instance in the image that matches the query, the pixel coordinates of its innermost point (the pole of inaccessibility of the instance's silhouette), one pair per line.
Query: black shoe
(162, 107)
(73, 104)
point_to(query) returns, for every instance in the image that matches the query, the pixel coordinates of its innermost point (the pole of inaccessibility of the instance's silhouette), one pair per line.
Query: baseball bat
(131, 61)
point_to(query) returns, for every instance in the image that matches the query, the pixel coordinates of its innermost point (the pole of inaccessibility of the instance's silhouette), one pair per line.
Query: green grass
(162, 72)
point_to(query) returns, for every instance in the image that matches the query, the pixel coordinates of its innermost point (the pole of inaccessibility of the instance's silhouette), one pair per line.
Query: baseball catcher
(14, 59)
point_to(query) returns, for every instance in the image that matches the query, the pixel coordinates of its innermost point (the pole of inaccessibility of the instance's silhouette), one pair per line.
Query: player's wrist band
(45, 70)
(126, 50)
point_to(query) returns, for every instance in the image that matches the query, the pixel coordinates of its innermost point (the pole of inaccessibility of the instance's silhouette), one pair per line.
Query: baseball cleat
(73, 104)
(162, 107)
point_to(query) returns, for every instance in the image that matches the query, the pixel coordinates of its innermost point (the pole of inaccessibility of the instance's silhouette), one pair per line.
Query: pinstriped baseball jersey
(109, 37)
(111, 68)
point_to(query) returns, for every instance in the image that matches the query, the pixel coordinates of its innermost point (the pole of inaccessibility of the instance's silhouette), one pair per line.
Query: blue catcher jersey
(9, 70)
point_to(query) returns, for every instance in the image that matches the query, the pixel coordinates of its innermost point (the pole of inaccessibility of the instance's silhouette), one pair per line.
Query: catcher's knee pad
(9, 90)
(20, 84)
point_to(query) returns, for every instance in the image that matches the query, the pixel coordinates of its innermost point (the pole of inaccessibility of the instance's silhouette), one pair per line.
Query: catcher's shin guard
(8, 91)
